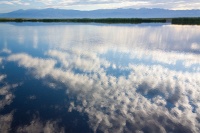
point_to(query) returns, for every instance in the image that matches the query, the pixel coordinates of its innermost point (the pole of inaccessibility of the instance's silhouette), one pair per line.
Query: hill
(103, 13)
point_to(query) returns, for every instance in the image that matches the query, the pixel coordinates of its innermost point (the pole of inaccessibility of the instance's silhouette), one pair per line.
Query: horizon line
(99, 9)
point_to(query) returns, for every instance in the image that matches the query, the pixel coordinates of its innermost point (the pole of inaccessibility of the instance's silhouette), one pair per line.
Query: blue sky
(10, 5)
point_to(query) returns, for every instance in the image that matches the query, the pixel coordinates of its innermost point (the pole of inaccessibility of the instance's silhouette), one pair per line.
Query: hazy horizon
(12, 5)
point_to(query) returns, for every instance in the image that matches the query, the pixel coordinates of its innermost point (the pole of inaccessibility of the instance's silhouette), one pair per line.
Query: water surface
(66, 77)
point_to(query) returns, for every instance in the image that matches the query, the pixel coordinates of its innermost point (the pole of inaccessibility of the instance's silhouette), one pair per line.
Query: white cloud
(6, 99)
(2, 77)
(5, 50)
(13, 2)
(40, 64)
(37, 126)
(5, 92)
(78, 60)
(1, 59)
(152, 98)
(5, 122)
(6, 2)
(195, 46)
(188, 60)
(35, 40)
(102, 4)
(109, 37)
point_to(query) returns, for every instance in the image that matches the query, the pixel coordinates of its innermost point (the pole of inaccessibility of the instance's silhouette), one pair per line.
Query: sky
(11, 5)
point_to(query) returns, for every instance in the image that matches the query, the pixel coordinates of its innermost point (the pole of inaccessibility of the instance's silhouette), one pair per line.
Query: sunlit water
(65, 77)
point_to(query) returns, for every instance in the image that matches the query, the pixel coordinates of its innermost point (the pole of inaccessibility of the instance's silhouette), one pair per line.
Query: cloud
(109, 37)
(5, 50)
(1, 59)
(40, 64)
(6, 98)
(186, 61)
(159, 93)
(2, 77)
(11, 5)
(13, 2)
(5, 92)
(102, 4)
(36, 126)
(79, 60)
(195, 46)
(6, 2)
(152, 98)
(5, 122)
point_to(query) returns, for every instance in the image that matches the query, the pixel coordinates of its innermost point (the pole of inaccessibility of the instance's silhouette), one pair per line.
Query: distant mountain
(103, 13)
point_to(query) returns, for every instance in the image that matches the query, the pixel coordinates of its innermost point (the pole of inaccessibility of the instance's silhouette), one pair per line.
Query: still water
(67, 77)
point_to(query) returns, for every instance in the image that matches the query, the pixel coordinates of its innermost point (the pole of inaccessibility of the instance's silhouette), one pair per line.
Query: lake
(90, 77)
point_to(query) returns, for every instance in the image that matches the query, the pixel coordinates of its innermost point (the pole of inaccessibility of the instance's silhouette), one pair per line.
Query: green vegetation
(87, 20)
(181, 21)
(186, 21)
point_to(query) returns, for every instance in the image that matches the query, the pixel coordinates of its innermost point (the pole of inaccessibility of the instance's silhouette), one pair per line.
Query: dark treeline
(188, 21)
(87, 20)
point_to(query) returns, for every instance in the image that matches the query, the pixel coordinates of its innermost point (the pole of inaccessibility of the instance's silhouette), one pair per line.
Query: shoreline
(179, 21)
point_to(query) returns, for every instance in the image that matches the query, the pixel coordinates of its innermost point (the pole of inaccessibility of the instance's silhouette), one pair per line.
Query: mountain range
(102, 13)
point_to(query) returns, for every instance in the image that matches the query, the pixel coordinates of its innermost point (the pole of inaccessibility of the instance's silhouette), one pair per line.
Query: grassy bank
(186, 21)
(87, 20)
(181, 21)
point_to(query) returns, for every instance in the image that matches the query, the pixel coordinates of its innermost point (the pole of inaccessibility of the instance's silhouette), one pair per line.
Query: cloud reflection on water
(6, 98)
(36, 126)
(91, 36)
(146, 79)
(152, 98)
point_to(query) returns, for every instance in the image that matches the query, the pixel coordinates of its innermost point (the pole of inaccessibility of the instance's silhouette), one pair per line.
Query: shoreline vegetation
(180, 21)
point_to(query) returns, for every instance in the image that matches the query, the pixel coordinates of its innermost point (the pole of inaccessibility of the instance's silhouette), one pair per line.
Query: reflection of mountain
(106, 13)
